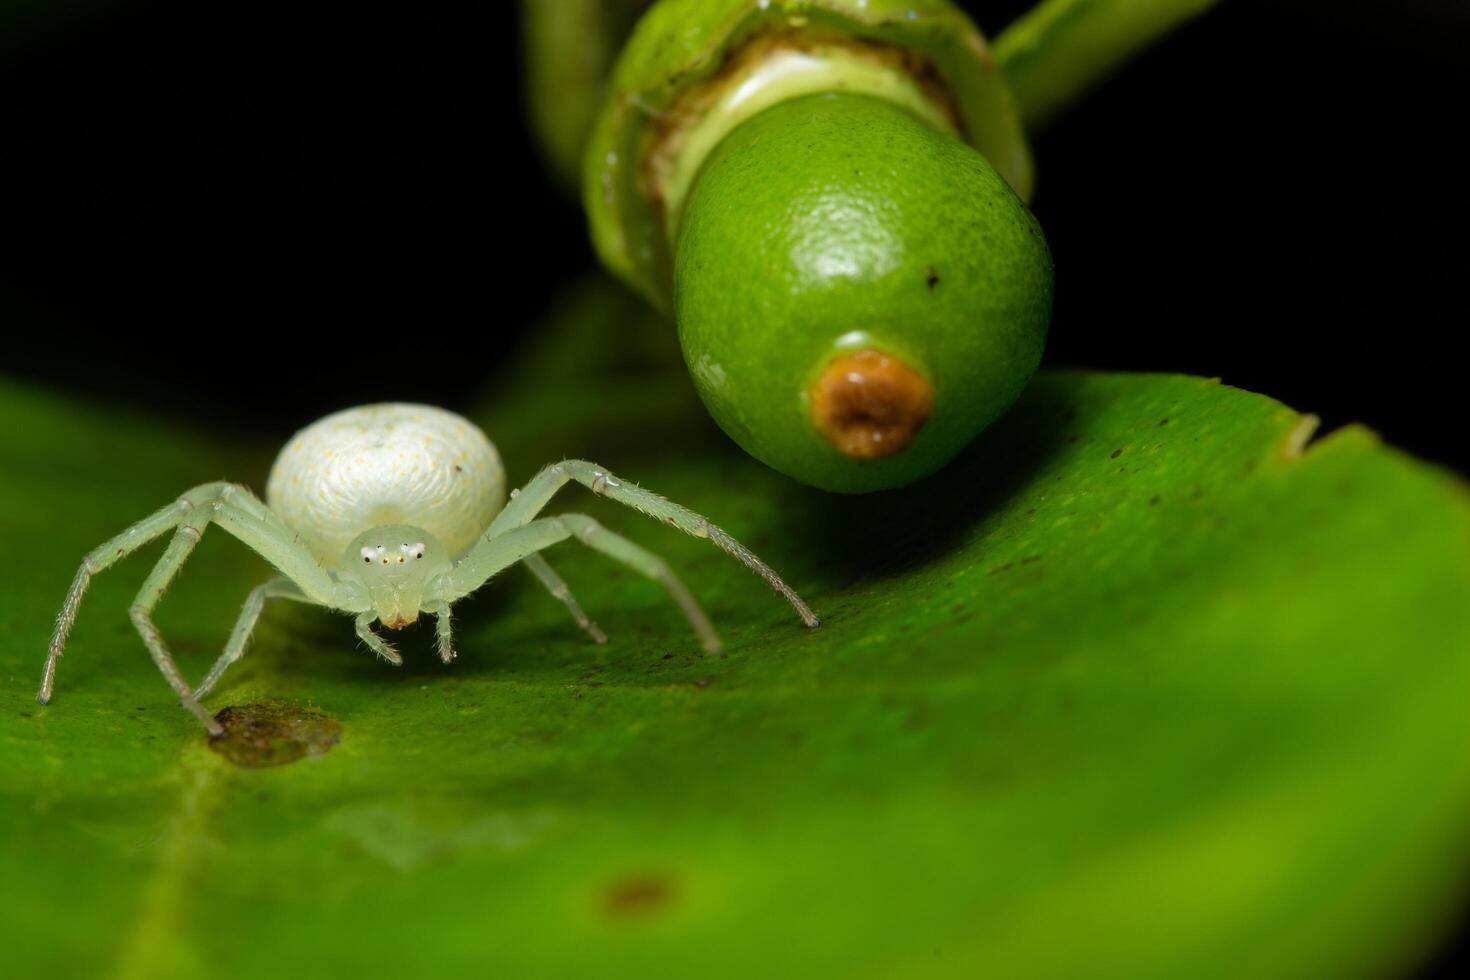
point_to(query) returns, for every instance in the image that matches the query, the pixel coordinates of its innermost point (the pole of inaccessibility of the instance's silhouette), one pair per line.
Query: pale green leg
(529, 501)
(494, 554)
(236, 510)
(645, 562)
(178, 551)
(362, 624)
(443, 630)
(105, 556)
(279, 588)
(544, 573)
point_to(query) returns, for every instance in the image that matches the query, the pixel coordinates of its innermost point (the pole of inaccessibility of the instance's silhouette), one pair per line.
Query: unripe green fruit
(832, 225)
(822, 193)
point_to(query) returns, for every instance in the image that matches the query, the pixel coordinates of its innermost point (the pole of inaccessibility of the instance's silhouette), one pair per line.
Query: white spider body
(387, 464)
(384, 512)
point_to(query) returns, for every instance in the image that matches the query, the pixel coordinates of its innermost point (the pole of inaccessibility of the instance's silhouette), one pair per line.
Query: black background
(257, 213)
(347, 201)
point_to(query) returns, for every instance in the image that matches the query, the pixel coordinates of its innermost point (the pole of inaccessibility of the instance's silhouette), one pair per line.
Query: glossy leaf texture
(1138, 687)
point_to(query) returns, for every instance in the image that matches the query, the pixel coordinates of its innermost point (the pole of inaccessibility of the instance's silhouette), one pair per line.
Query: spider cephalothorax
(385, 512)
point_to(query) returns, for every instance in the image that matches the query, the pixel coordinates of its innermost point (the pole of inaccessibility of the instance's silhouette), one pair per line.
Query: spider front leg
(104, 557)
(238, 512)
(530, 500)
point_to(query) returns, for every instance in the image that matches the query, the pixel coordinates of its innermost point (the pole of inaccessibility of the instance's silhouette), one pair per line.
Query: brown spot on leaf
(637, 896)
(869, 404)
(273, 733)
(932, 279)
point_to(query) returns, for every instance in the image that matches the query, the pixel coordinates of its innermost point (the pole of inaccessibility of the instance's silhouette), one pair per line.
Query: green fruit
(846, 293)
(857, 293)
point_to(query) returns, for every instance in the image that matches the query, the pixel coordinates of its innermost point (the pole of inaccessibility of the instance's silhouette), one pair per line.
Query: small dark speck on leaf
(1029, 559)
(1163, 422)
(932, 279)
(637, 896)
(1115, 454)
(1153, 501)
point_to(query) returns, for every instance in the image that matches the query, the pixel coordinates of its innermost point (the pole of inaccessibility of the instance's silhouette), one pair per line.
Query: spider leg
(375, 643)
(104, 556)
(278, 588)
(443, 631)
(514, 545)
(179, 548)
(544, 573)
(534, 496)
(236, 510)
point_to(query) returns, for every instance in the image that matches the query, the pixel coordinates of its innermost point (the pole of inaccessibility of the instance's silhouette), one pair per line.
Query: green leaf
(1136, 688)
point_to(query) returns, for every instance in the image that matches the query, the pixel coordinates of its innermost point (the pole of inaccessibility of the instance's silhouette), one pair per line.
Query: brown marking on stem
(869, 404)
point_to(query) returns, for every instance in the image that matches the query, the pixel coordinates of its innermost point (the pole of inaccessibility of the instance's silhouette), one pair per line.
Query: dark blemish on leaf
(1003, 568)
(273, 733)
(25, 714)
(667, 656)
(1115, 454)
(1153, 501)
(458, 468)
(932, 279)
(1029, 559)
(637, 896)
(1163, 422)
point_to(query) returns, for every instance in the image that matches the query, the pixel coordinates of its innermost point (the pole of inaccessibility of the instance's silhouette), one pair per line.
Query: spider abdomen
(385, 464)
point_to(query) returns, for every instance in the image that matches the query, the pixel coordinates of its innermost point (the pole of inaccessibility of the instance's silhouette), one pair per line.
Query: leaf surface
(1137, 687)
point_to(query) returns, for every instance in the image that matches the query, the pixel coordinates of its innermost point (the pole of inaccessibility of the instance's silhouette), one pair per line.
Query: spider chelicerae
(384, 512)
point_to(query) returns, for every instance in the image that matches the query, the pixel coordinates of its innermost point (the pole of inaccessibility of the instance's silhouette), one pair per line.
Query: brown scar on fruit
(273, 733)
(869, 404)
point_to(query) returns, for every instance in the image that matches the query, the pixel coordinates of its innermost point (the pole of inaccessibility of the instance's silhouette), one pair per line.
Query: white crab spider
(386, 511)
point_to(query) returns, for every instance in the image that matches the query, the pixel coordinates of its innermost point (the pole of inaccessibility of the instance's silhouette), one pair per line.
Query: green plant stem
(1061, 49)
